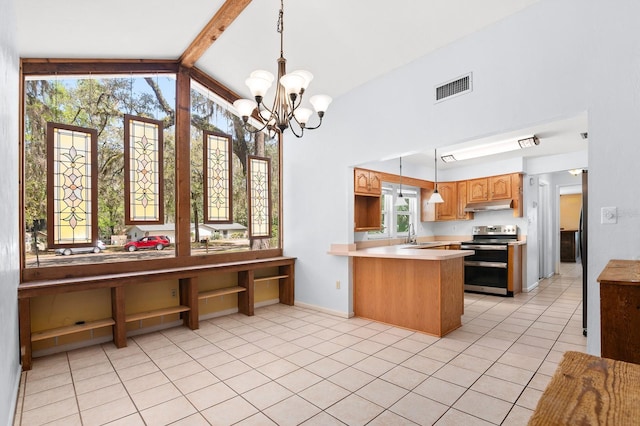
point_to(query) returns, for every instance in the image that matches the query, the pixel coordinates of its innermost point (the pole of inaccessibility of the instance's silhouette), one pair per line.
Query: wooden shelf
(70, 329)
(156, 313)
(275, 277)
(220, 292)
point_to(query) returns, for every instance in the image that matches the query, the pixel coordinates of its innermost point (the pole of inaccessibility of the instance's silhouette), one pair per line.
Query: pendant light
(400, 200)
(436, 197)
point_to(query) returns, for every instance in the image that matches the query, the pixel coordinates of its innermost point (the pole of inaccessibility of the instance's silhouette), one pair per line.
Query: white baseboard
(532, 287)
(324, 310)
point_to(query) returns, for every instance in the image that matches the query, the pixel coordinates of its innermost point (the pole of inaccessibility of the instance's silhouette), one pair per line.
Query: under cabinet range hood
(487, 206)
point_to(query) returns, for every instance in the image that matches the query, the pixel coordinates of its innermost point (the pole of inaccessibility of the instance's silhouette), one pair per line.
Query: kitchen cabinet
(500, 187)
(462, 202)
(449, 209)
(367, 201)
(619, 313)
(454, 195)
(367, 182)
(489, 188)
(367, 213)
(477, 190)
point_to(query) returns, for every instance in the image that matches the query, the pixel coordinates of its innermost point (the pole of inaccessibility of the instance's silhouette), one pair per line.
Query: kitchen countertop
(404, 251)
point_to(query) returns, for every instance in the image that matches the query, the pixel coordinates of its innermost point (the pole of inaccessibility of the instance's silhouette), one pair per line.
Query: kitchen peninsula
(409, 286)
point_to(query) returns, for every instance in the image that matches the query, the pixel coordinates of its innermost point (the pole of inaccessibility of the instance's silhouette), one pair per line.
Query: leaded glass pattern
(259, 198)
(143, 170)
(217, 178)
(71, 185)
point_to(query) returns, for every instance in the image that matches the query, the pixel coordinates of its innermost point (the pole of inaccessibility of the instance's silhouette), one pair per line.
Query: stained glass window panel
(72, 185)
(143, 170)
(218, 178)
(259, 198)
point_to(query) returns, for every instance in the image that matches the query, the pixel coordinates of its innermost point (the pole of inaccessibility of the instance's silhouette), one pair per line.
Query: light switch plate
(608, 215)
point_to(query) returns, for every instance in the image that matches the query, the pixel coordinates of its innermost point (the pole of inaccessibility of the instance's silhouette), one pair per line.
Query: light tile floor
(289, 366)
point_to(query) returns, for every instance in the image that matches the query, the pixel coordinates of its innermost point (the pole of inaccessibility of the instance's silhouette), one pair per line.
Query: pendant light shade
(436, 197)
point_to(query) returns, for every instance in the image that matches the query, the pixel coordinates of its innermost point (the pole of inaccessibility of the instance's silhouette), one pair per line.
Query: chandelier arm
(292, 128)
(315, 127)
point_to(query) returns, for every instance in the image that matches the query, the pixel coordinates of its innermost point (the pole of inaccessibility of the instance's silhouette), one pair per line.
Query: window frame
(36, 67)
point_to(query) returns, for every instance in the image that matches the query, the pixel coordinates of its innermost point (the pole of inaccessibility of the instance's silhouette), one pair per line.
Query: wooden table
(589, 390)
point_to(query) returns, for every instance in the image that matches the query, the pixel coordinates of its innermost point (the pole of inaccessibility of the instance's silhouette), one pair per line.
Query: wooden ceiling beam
(229, 11)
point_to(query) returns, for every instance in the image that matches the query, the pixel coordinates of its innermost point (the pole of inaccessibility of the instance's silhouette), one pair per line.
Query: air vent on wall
(459, 86)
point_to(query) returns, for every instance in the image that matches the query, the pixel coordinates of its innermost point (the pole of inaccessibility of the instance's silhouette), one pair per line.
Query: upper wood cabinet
(489, 188)
(367, 201)
(477, 190)
(462, 201)
(367, 182)
(449, 209)
(500, 187)
(454, 195)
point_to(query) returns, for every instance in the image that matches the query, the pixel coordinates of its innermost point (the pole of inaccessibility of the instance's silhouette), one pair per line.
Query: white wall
(520, 78)
(9, 237)
(614, 148)
(555, 59)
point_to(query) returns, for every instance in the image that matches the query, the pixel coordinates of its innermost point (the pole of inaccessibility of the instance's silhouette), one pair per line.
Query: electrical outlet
(338, 285)
(174, 292)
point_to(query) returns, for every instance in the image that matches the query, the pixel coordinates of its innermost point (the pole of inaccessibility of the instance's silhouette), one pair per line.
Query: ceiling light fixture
(490, 149)
(286, 110)
(400, 200)
(436, 197)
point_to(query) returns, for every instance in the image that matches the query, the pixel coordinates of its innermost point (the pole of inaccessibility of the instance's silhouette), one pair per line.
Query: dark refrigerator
(584, 214)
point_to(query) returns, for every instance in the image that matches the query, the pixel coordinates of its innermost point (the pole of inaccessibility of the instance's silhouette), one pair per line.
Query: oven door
(487, 270)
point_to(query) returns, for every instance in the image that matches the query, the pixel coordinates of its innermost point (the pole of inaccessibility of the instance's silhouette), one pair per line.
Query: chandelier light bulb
(306, 76)
(302, 115)
(292, 83)
(258, 86)
(320, 103)
(245, 107)
(263, 74)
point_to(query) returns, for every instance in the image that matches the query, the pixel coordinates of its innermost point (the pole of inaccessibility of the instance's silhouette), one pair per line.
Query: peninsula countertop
(402, 251)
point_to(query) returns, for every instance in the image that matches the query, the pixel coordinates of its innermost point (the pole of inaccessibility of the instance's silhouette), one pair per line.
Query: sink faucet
(411, 237)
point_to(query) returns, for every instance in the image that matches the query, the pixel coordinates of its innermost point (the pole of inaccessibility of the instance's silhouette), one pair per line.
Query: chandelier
(286, 110)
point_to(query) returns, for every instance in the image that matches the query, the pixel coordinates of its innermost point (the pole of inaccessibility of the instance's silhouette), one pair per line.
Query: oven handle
(483, 247)
(501, 265)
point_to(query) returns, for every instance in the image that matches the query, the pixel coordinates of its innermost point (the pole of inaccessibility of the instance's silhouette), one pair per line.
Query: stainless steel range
(487, 271)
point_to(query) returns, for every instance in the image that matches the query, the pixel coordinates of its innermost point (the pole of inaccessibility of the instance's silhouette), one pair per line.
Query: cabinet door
(427, 209)
(462, 202)
(448, 209)
(367, 182)
(361, 183)
(500, 187)
(375, 183)
(477, 190)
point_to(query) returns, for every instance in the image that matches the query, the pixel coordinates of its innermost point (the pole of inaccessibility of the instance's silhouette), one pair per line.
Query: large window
(399, 214)
(106, 146)
(221, 158)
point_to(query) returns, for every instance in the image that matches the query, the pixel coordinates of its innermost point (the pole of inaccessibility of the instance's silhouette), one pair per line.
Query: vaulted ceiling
(343, 43)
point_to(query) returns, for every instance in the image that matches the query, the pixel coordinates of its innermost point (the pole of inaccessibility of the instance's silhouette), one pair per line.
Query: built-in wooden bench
(155, 313)
(187, 277)
(71, 329)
